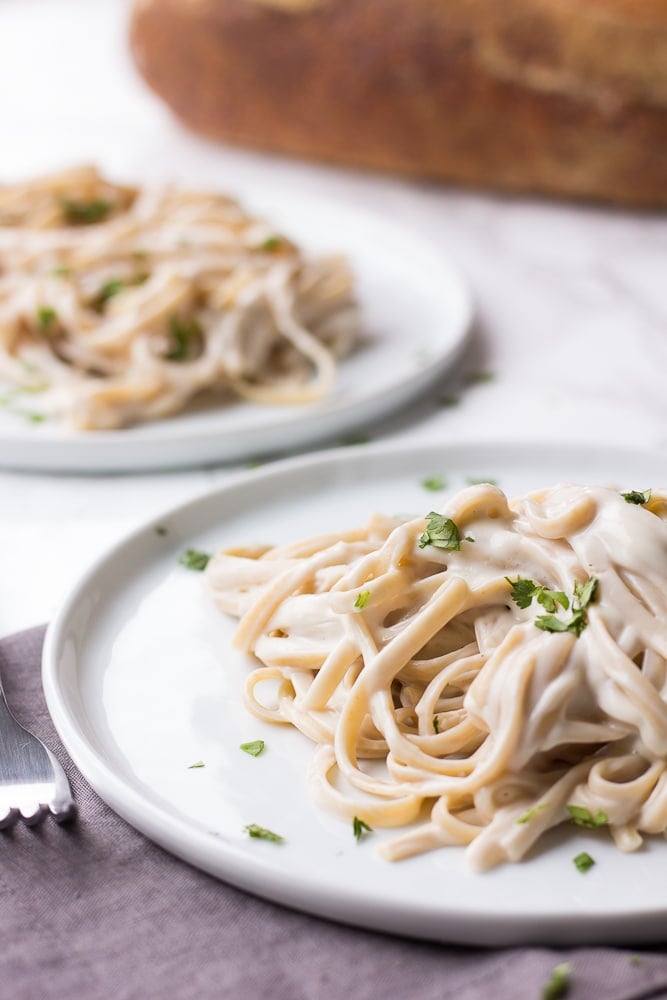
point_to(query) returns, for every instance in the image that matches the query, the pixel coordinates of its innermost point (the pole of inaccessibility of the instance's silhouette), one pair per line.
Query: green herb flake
(183, 336)
(61, 272)
(434, 483)
(358, 439)
(33, 418)
(46, 317)
(479, 378)
(85, 213)
(637, 497)
(584, 594)
(583, 862)
(160, 530)
(581, 816)
(480, 481)
(272, 244)
(362, 599)
(199, 763)
(549, 623)
(192, 559)
(634, 960)
(360, 829)
(448, 401)
(558, 983)
(550, 598)
(531, 813)
(442, 533)
(109, 290)
(254, 747)
(523, 592)
(261, 833)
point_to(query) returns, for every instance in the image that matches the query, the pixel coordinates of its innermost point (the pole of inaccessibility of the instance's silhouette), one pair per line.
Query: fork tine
(33, 813)
(8, 817)
(62, 812)
(62, 806)
(32, 781)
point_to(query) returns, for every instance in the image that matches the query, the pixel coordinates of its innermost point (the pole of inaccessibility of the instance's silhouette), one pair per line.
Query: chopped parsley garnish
(436, 724)
(261, 833)
(160, 530)
(272, 244)
(108, 290)
(183, 336)
(85, 213)
(584, 862)
(447, 401)
(523, 592)
(114, 287)
(192, 559)
(12, 401)
(584, 594)
(199, 763)
(442, 533)
(359, 828)
(46, 317)
(634, 959)
(359, 439)
(581, 816)
(254, 747)
(637, 497)
(434, 483)
(479, 481)
(478, 378)
(558, 983)
(362, 599)
(61, 272)
(530, 813)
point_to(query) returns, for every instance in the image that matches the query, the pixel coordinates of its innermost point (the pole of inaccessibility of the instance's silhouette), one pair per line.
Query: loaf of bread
(561, 97)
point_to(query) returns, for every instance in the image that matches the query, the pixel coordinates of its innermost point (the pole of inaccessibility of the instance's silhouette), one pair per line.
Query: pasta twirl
(490, 672)
(120, 305)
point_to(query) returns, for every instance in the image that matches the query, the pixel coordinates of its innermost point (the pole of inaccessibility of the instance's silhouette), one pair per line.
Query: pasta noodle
(120, 305)
(489, 672)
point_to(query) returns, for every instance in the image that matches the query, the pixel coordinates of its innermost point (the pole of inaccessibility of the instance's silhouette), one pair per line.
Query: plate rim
(472, 926)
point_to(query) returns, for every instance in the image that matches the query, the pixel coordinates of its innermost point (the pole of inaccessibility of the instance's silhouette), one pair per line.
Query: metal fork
(32, 782)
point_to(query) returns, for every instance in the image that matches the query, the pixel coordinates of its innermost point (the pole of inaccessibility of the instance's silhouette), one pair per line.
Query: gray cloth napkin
(96, 910)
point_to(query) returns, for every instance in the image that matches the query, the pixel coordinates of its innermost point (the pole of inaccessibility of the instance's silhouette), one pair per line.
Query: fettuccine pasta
(478, 676)
(120, 305)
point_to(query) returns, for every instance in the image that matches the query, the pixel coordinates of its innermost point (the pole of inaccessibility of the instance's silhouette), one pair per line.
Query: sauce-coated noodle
(120, 305)
(427, 687)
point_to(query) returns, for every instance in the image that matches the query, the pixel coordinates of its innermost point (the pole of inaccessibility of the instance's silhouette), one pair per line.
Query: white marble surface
(571, 301)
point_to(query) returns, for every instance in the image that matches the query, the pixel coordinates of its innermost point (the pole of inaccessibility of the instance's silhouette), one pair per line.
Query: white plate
(141, 681)
(416, 314)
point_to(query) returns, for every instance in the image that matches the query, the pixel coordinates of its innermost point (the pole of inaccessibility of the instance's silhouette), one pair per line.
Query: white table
(572, 301)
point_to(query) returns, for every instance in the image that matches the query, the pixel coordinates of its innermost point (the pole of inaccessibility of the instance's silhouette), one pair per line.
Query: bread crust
(548, 96)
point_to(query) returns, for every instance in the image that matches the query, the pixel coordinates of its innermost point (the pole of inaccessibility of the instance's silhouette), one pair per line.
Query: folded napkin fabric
(95, 910)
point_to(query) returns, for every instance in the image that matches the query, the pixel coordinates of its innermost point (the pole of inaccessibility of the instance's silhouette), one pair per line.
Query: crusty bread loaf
(564, 97)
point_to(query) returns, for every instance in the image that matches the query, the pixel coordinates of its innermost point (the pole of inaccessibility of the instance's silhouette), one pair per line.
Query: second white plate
(416, 313)
(142, 682)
